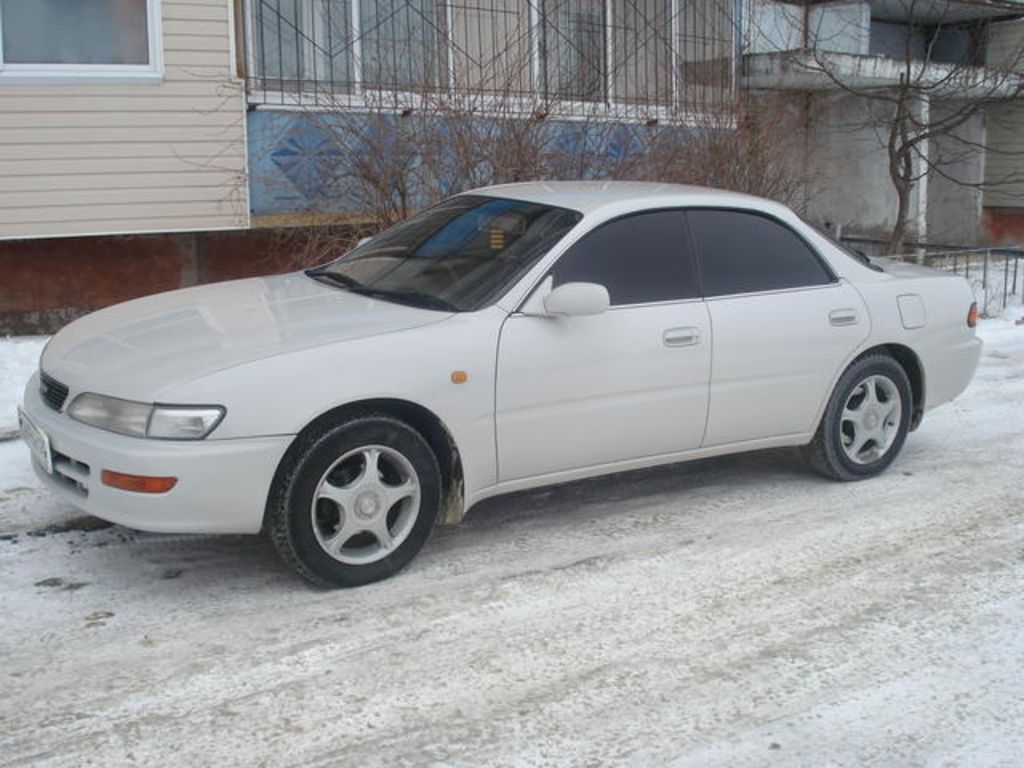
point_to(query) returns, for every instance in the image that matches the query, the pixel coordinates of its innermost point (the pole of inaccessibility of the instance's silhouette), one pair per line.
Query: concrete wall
(1004, 168)
(95, 158)
(850, 180)
(839, 27)
(954, 209)
(774, 27)
(849, 167)
(842, 27)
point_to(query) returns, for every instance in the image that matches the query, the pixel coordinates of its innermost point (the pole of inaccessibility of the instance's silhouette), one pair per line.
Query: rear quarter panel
(946, 347)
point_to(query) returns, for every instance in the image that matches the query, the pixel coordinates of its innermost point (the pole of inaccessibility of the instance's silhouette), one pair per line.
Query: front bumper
(222, 484)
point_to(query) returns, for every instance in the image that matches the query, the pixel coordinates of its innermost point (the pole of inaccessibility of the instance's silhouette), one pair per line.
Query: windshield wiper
(321, 274)
(424, 300)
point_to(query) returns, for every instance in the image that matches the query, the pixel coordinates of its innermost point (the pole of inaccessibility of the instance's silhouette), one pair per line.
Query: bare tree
(924, 93)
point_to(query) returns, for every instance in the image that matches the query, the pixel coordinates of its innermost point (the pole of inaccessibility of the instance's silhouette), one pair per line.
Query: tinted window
(743, 252)
(639, 259)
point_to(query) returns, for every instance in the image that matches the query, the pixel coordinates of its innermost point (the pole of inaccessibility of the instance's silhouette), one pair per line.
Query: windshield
(456, 256)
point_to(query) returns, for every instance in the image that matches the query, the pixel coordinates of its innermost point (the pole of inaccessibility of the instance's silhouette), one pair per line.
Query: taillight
(972, 315)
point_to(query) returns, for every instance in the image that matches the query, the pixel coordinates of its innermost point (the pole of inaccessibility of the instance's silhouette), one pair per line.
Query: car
(507, 338)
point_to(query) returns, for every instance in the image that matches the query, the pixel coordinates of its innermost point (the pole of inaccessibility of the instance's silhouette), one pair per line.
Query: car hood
(137, 349)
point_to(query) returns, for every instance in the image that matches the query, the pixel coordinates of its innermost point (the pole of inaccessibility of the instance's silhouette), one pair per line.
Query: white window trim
(96, 73)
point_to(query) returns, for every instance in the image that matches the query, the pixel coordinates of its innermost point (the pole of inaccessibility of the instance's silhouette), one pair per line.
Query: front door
(630, 383)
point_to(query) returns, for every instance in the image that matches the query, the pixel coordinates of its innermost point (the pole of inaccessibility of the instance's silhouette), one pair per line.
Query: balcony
(819, 71)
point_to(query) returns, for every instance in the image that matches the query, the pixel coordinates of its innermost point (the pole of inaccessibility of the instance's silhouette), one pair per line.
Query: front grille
(52, 391)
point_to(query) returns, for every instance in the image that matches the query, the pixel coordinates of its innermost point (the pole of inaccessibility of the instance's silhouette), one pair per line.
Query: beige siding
(96, 158)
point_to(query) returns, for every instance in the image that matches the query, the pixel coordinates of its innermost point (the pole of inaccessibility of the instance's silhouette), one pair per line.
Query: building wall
(837, 27)
(80, 159)
(849, 184)
(47, 282)
(1003, 226)
(307, 166)
(1004, 164)
(954, 197)
(849, 181)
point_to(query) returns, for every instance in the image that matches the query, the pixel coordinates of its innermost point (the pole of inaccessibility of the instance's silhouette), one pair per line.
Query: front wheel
(355, 501)
(865, 423)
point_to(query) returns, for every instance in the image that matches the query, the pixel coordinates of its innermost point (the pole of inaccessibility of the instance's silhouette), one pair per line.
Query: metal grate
(53, 392)
(73, 473)
(641, 59)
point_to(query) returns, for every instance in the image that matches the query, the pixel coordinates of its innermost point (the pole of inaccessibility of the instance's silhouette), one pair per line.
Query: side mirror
(577, 299)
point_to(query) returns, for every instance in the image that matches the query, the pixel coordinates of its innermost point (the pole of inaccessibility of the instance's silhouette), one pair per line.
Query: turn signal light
(137, 483)
(972, 315)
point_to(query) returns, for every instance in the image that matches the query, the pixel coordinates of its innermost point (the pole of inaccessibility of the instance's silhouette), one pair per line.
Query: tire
(866, 421)
(339, 523)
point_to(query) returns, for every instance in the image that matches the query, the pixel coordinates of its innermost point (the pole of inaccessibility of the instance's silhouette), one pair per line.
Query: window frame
(152, 72)
(685, 232)
(833, 278)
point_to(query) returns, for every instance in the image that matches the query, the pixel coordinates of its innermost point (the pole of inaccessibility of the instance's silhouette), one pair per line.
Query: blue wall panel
(297, 159)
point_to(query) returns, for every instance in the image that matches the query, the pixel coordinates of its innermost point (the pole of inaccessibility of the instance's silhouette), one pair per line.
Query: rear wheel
(866, 421)
(355, 501)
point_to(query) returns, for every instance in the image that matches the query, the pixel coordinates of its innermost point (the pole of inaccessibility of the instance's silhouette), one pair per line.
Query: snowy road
(733, 612)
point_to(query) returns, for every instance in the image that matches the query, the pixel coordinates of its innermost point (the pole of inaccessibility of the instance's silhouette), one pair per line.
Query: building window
(704, 70)
(642, 51)
(305, 45)
(622, 57)
(491, 47)
(573, 49)
(401, 44)
(75, 39)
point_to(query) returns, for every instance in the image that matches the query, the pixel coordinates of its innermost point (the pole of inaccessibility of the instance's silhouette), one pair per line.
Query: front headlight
(127, 417)
(111, 413)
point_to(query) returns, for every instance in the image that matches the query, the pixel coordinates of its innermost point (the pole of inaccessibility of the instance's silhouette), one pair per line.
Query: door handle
(681, 337)
(841, 317)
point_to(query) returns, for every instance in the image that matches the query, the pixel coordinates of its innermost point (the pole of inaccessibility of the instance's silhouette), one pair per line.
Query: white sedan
(507, 338)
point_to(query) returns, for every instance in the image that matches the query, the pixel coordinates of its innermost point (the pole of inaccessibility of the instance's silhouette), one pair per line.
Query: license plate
(37, 440)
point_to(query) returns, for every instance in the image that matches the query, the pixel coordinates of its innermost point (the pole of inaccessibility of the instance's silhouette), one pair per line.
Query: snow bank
(19, 357)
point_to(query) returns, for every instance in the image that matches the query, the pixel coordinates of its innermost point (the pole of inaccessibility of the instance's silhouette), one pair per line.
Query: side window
(641, 258)
(742, 252)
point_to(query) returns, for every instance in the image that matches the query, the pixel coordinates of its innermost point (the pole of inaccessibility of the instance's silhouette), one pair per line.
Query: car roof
(591, 196)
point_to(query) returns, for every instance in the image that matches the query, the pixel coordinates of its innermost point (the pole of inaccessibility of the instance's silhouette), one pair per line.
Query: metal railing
(996, 275)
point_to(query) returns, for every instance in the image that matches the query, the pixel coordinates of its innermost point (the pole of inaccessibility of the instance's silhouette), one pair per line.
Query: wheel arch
(911, 365)
(420, 418)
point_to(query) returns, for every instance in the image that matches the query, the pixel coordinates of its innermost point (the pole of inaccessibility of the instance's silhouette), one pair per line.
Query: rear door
(783, 325)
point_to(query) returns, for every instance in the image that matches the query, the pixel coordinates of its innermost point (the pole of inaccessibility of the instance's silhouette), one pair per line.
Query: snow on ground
(732, 612)
(19, 358)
